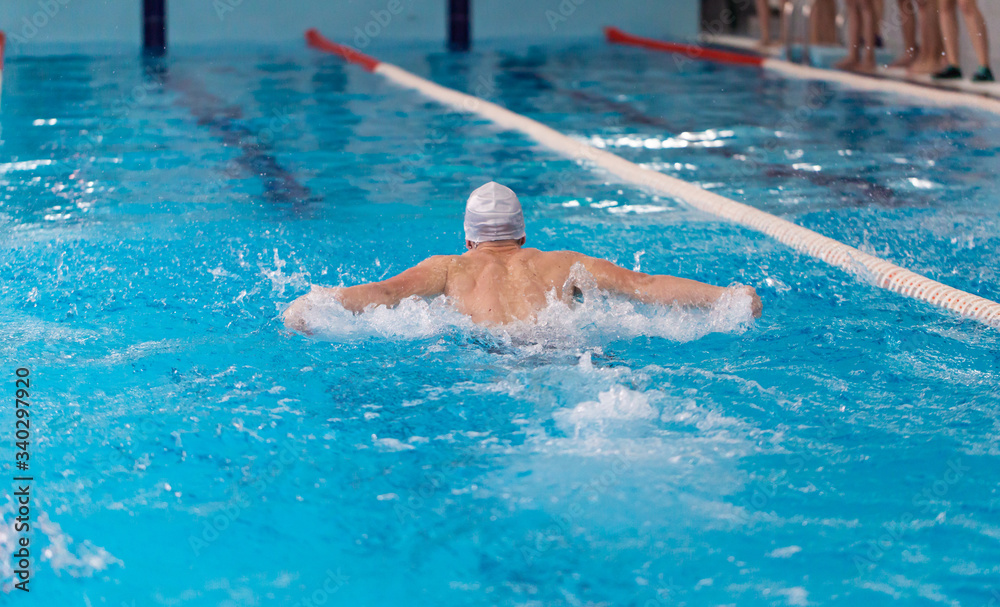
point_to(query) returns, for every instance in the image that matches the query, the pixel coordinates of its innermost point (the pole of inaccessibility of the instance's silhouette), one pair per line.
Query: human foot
(848, 64)
(906, 59)
(925, 66)
(866, 65)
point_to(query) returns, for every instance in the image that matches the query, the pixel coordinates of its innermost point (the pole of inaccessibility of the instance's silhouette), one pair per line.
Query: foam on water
(83, 561)
(8, 544)
(618, 404)
(607, 444)
(413, 318)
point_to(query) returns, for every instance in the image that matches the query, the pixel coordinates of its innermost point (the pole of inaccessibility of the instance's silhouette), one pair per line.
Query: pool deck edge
(985, 97)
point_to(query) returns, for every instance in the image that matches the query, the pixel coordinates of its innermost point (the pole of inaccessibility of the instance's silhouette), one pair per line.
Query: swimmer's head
(493, 213)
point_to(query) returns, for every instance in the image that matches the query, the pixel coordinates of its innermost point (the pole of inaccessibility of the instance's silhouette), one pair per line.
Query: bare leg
(783, 21)
(853, 37)
(868, 30)
(823, 22)
(908, 27)
(977, 30)
(930, 59)
(764, 18)
(878, 8)
(949, 31)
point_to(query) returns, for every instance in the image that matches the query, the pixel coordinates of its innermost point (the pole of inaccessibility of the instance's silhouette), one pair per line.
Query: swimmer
(498, 281)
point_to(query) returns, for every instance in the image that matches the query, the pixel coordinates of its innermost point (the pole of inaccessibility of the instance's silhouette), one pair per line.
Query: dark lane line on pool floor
(874, 192)
(222, 119)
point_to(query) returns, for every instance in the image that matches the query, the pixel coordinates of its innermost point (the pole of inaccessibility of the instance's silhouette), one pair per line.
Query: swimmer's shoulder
(553, 265)
(551, 258)
(528, 251)
(443, 265)
(441, 259)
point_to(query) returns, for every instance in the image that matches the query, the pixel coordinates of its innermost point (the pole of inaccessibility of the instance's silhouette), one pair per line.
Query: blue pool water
(842, 450)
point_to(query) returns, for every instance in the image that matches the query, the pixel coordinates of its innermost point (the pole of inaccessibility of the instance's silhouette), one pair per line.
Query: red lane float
(317, 41)
(3, 46)
(693, 51)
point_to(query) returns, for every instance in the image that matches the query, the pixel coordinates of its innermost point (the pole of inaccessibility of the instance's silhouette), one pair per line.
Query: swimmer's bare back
(500, 282)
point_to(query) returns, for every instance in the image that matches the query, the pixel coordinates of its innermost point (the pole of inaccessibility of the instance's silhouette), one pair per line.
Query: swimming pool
(842, 449)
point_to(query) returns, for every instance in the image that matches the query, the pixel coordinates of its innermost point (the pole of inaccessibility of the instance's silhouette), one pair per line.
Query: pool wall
(61, 26)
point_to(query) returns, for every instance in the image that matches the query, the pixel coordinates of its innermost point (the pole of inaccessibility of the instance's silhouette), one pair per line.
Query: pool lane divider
(803, 72)
(876, 192)
(873, 269)
(694, 51)
(317, 41)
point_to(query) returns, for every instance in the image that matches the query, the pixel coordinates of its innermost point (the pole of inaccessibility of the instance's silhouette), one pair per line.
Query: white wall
(268, 21)
(59, 26)
(676, 19)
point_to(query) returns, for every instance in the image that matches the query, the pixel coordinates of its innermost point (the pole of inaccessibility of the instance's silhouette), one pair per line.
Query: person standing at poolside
(929, 57)
(764, 20)
(977, 30)
(497, 281)
(823, 22)
(925, 57)
(908, 27)
(861, 34)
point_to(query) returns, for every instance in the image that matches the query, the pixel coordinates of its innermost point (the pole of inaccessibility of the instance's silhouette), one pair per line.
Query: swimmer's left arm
(659, 288)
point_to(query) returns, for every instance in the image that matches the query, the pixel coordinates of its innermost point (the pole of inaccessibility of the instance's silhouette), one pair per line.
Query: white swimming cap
(493, 213)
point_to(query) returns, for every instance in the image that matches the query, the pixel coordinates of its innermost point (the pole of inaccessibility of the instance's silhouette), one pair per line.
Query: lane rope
(617, 36)
(804, 72)
(317, 41)
(878, 271)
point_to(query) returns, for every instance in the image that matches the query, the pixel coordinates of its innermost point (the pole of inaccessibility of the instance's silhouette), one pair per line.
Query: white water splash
(615, 406)
(601, 318)
(280, 280)
(82, 560)
(598, 319)
(413, 318)
(8, 545)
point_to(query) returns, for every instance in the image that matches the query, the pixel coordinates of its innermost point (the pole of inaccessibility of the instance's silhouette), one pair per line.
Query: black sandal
(983, 74)
(952, 72)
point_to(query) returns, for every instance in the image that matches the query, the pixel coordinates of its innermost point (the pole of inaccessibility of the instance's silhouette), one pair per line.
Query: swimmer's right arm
(659, 288)
(426, 279)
